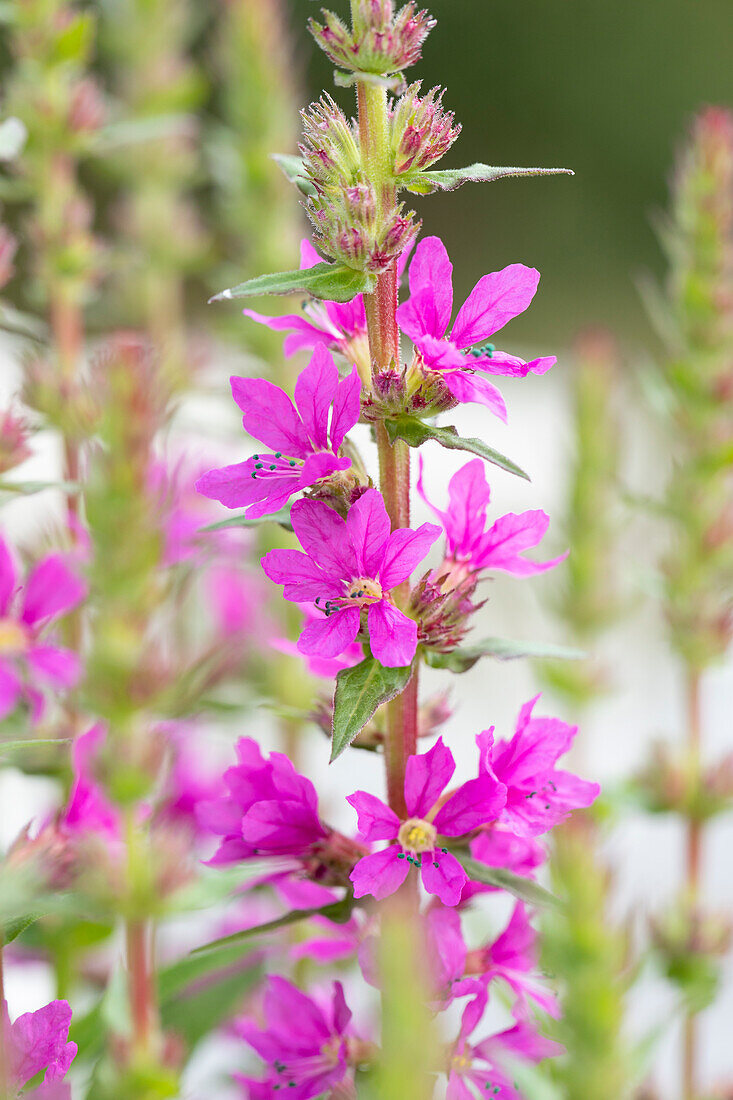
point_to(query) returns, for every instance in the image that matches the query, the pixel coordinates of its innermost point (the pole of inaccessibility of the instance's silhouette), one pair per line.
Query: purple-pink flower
(471, 545)
(27, 662)
(306, 1046)
(539, 796)
(89, 810)
(417, 837)
(495, 300)
(349, 570)
(35, 1042)
(305, 437)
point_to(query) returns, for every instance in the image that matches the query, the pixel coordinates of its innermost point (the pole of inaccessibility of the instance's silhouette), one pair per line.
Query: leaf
(359, 691)
(416, 432)
(503, 649)
(9, 747)
(293, 168)
(426, 183)
(241, 520)
(119, 135)
(526, 889)
(13, 928)
(338, 911)
(13, 136)
(196, 999)
(29, 488)
(330, 282)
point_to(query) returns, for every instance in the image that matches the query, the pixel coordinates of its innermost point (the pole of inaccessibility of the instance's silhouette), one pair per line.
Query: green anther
(292, 462)
(258, 465)
(278, 454)
(273, 467)
(254, 475)
(435, 863)
(401, 855)
(255, 457)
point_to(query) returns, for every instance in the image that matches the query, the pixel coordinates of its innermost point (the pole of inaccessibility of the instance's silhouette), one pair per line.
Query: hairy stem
(394, 461)
(140, 970)
(693, 873)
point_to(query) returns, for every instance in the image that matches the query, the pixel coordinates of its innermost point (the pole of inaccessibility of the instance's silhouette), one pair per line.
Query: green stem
(3, 1053)
(693, 873)
(394, 461)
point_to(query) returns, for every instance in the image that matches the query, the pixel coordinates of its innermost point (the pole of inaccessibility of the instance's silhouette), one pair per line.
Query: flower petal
(443, 876)
(270, 416)
(10, 688)
(475, 803)
(60, 666)
(330, 636)
(496, 299)
(39, 1040)
(380, 874)
(471, 388)
(301, 577)
(51, 589)
(346, 408)
(426, 776)
(236, 487)
(323, 535)
(8, 577)
(429, 306)
(301, 333)
(368, 528)
(376, 821)
(405, 550)
(501, 546)
(393, 637)
(314, 391)
(281, 827)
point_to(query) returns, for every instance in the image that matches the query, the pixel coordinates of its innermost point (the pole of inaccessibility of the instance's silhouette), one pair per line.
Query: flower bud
(380, 42)
(421, 131)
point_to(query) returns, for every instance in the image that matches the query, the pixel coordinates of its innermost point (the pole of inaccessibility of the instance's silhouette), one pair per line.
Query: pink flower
(50, 591)
(426, 776)
(476, 1066)
(348, 570)
(267, 808)
(35, 1042)
(89, 810)
(512, 957)
(538, 795)
(306, 440)
(472, 546)
(341, 327)
(304, 1045)
(325, 668)
(495, 299)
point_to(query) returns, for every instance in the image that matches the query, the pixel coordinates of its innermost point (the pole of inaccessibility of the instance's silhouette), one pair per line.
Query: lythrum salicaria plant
(375, 610)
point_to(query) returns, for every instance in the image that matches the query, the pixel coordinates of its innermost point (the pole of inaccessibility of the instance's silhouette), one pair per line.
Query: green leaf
(330, 282)
(241, 520)
(502, 649)
(29, 488)
(7, 748)
(294, 171)
(359, 691)
(196, 999)
(136, 131)
(425, 183)
(339, 912)
(416, 432)
(13, 136)
(13, 928)
(523, 888)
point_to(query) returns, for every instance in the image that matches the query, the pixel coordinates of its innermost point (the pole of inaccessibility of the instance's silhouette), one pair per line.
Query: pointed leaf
(425, 183)
(502, 649)
(359, 691)
(331, 282)
(416, 432)
(526, 889)
(9, 747)
(293, 168)
(339, 912)
(242, 520)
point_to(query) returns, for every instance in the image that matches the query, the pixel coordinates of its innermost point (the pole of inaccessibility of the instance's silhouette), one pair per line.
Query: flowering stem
(693, 871)
(3, 1056)
(141, 982)
(394, 460)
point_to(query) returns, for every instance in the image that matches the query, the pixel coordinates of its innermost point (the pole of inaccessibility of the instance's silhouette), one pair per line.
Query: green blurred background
(604, 88)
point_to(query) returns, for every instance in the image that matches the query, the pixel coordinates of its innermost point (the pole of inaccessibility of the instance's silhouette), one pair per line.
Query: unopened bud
(380, 42)
(421, 131)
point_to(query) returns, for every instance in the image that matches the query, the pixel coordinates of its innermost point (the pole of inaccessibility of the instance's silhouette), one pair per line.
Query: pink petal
(508, 537)
(281, 827)
(59, 666)
(309, 257)
(317, 467)
(543, 364)
(447, 946)
(323, 535)
(10, 688)
(405, 550)
(295, 1017)
(314, 392)
(368, 529)
(393, 637)
(534, 748)
(426, 776)
(446, 880)
(496, 299)
(50, 590)
(270, 416)
(475, 803)
(346, 408)
(302, 333)
(331, 635)
(469, 495)
(468, 388)
(235, 487)
(429, 306)
(379, 874)
(341, 1013)
(8, 577)
(301, 577)
(457, 1088)
(39, 1040)
(375, 820)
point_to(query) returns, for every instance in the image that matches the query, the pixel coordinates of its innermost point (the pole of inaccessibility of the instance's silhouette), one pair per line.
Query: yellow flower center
(364, 591)
(416, 835)
(13, 638)
(460, 1063)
